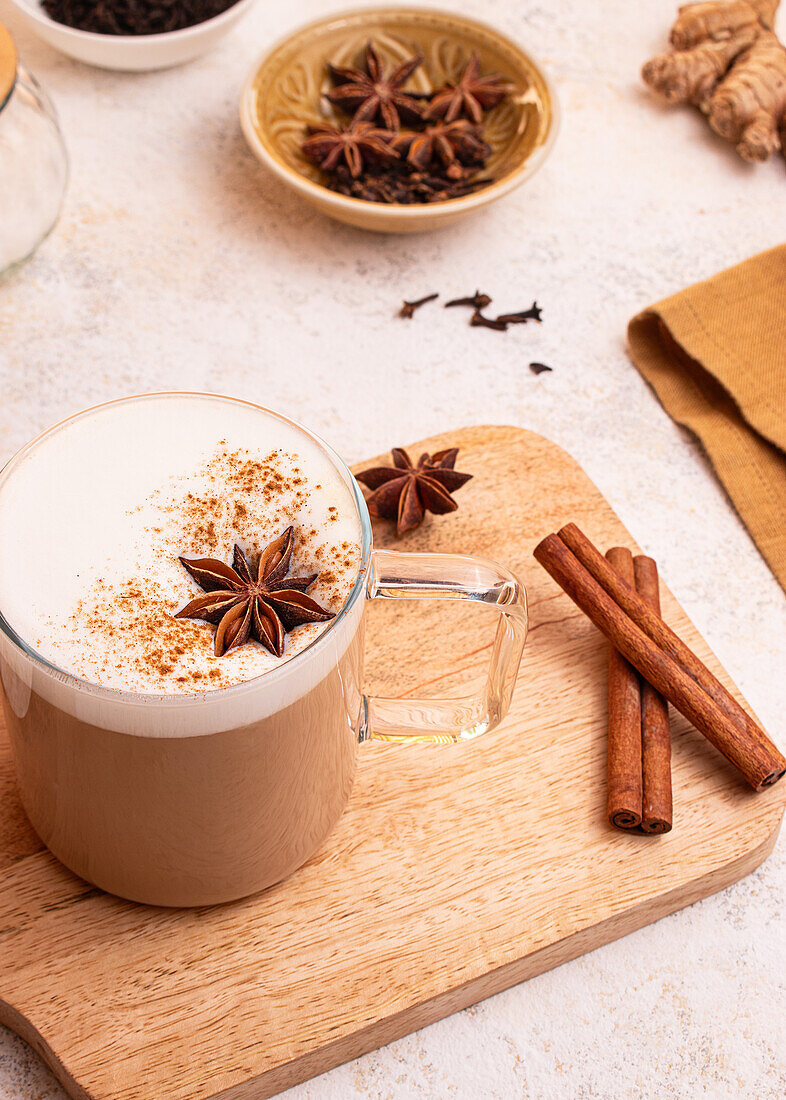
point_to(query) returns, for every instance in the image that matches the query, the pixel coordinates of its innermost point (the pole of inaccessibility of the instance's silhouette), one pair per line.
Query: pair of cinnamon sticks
(639, 752)
(632, 624)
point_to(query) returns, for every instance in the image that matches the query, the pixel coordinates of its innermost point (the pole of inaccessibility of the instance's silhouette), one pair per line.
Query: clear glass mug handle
(400, 576)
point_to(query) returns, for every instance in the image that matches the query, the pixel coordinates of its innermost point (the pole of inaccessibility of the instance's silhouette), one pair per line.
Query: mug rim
(193, 698)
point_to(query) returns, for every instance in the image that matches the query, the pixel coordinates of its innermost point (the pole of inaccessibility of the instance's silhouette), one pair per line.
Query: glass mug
(33, 160)
(196, 799)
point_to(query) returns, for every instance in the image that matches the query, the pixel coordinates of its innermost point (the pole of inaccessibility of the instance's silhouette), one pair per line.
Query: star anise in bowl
(445, 143)
(471, 95)
(357, 144)
(370, 93)
(262, 604)
(432, 146)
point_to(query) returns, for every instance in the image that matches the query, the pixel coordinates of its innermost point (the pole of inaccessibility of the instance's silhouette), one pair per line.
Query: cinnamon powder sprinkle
(236, 498)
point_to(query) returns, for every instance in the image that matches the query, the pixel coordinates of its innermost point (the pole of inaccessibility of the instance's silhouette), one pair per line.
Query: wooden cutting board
(457, 870)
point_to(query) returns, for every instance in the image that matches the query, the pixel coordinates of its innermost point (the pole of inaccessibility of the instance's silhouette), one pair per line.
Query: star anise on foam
(374, 93)
(471, 94)
(448, 143)
(404, 492)
(264, 607)
(354, 144)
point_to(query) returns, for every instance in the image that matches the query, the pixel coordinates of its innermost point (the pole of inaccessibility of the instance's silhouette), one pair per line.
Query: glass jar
(33, 160)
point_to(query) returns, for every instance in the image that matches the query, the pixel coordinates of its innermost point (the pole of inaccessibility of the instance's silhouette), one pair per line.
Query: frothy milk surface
(93, 519)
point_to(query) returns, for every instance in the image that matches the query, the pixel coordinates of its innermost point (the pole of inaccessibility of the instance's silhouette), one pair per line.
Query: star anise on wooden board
(264, 607)
(404, 493)
(373, 93)
(355, 144)
(472, 94)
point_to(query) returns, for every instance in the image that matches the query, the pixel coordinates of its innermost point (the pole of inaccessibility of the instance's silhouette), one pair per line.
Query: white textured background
(179, 264)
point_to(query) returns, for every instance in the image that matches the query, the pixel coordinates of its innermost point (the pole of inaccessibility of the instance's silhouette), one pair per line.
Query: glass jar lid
(7, 65)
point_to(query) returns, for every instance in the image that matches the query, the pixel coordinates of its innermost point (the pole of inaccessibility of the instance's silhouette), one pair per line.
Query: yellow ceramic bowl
(285, 92)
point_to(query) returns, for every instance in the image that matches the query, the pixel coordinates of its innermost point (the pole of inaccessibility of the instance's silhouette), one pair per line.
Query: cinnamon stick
(666, 640)
(624, 767)
(746, 746)
(656, 808)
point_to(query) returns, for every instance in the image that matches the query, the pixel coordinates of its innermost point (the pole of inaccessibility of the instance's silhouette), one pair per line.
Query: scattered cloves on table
(408, 308)
(477, 302)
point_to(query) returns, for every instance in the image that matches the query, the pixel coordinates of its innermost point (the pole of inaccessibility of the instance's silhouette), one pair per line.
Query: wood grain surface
(456, 871)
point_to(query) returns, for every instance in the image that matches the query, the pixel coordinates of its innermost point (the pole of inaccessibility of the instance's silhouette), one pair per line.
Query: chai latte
(150, 766)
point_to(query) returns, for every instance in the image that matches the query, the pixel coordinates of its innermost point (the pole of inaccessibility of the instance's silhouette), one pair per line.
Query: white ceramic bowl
(131, 53)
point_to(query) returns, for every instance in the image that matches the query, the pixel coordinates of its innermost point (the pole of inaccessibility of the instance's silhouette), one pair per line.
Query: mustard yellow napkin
(715, 355)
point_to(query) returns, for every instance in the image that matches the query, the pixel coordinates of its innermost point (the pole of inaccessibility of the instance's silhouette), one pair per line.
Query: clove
(408, 308)
(479, 321)
(478, 301)
(534, 313)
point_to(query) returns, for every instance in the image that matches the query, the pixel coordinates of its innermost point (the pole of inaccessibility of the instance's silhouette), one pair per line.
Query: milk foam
(93, 518)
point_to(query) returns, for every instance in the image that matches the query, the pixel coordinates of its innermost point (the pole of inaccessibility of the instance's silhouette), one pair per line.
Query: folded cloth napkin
(715, 355)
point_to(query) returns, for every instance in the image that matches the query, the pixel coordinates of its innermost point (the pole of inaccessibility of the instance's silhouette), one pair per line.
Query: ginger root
(728, 61)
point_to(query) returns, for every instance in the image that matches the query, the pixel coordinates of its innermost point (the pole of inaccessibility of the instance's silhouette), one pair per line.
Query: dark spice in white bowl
(133, 17)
